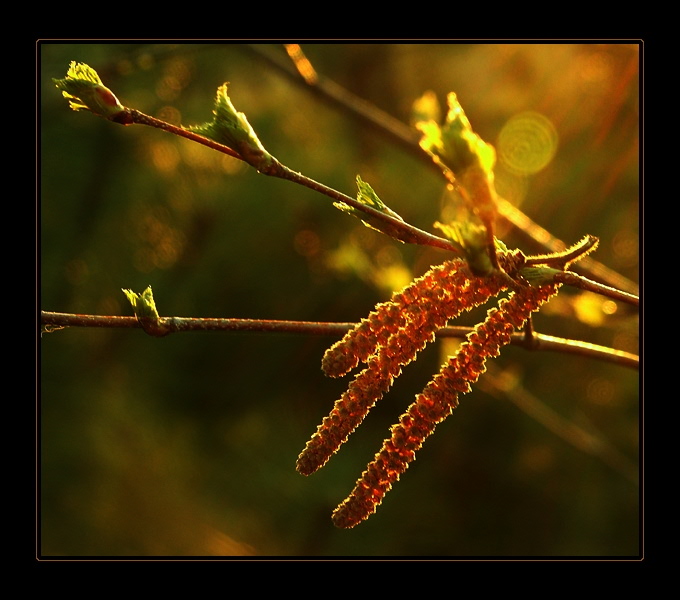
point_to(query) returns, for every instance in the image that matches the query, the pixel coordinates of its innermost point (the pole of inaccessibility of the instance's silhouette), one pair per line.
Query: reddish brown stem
(399, 229)
(54, 320)
(139, 118)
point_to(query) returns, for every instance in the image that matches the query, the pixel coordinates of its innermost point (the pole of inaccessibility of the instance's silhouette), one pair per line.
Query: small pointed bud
(85, 91)
(231, 128)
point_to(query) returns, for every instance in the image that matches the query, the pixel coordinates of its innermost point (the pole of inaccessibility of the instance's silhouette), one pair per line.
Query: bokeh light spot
(170, 114)
(601, 391)
(161, 244)
(609, 307)
(307, 242)
(589, 309)
(165, 156)
(527, 143)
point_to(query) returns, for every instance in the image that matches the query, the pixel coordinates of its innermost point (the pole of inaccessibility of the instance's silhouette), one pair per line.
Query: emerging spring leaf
(467, 161)
(368, 197)
(471, 238)
(539, 275)
(425, 109)
(143, 304)
(85, 91)
(231, 128)
(455, 144)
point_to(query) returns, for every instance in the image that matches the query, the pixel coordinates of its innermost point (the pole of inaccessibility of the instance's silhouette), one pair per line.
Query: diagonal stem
(408, 139)
(397, 228)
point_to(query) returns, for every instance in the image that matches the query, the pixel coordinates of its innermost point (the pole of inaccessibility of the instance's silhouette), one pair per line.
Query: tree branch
(408, 139)
(502, 383)
(399, 229)
(395, 227)
(52, 321)
(578, 281)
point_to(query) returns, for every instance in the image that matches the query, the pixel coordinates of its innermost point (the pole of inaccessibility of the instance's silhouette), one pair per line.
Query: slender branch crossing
(53, 321)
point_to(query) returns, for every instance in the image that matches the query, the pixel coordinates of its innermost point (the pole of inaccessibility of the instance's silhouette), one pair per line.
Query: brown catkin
(437, 401)
(365, 390)
(387, 318)
(442, 294)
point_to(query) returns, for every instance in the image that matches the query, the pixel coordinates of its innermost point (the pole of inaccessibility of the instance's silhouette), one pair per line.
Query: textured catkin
(442, 294)
(366, 389)
(388, 317)
(436, 402)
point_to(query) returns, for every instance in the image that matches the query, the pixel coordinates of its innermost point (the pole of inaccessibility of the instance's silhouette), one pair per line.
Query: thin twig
(139, 118)
(408, 139)
(578, 281)
(391, 225)
(397, 228)
(586, 441)
(166, 325)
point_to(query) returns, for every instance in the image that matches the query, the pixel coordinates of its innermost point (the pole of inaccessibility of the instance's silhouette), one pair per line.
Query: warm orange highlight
(390, 338)
(437, 401)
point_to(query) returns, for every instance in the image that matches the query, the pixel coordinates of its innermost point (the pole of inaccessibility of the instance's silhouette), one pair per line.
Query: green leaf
(539, 275)
(85, 91)
(368, 197)
(425, 109)
(471, 239)
(231, 128)
(143, 304)
(454, 144)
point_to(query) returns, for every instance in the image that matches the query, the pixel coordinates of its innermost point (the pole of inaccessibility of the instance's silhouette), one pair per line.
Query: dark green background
(187, 445)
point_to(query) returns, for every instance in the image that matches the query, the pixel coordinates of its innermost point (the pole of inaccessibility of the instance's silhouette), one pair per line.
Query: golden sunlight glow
(165, 156)
(588, 308)
(426, 108)
(307, 242)
(527, 143)
(162, 244)
(601, 391)
(302, 64)
(176, 76)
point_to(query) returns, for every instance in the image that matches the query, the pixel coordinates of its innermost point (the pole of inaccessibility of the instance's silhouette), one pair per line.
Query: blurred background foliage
(187, 445)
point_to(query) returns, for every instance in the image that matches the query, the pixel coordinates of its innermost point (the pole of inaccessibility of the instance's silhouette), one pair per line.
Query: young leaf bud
(85, 91)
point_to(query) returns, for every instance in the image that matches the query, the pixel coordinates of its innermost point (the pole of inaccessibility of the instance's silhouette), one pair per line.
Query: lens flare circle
(527, 143)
